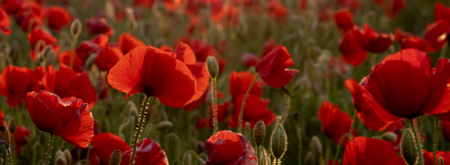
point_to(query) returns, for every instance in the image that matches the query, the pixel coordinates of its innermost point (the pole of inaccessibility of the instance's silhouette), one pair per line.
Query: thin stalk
(287, 106)
(153, 112)
(214, 102)
(139, 127)
(276, 161)
(10, 157)
(353, 123)
(338, 148)
(48, 154)
(72, 50)
(241, 113)
(422, 128)
(417, 142)
(436, 137)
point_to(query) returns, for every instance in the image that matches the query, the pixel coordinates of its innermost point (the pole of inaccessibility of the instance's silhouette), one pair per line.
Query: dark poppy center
(148, 90)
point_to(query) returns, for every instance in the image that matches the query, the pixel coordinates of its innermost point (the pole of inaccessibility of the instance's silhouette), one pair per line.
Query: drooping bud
(116, 158)
(213, 66)
(316, 146)
(408, 149)
(389, 136)
(68, 156)
(90, 61)
(309, 159)
(75, 28)
(12, 126)
(278, 142)
(164, 125)
(60, 158)
(259, 132)
(4, 135)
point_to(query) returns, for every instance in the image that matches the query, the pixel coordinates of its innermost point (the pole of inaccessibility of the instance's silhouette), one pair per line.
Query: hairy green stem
(417, 142)
(139, 127)
(153, 112)
(241, 113)
(48, 154)
(338, 148)
(214, 102)
(436, 137)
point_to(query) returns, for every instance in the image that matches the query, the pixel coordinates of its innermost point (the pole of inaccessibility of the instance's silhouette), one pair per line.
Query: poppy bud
(90, 61)
(4, 135)
(259, 132)
(309, 159)
(12, 126)
(212, 66)
(164, 125)
(75, 28)
(60, 158)
(407, 147)
(50, 57)
(389, 136)
(68, 156)
(316, 146)
(116, 158)
(278, 142)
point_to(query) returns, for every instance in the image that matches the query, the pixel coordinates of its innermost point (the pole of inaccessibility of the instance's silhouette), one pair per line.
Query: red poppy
(66, 57)
(218, 9)
(277, 11)
(435, 35)
(128, 42)
(385, 90)
(273, 67)
(12, 6)
(197, 22)
(408, 40)
(108, 57)
(226, 147)
(352, 52)
(364, 112)
(21, 137)
(166, 48)
(162, 76)
(38, 34)
(4, 22)
(325, 13)
(250, 59)
(67, 83)
(396, 128)
(201, 49)
(194, 104)
(335, 123)
(268, 46)
(371, 40)
(428, 157)
(15, 82)
(86, 49)
(105, 143)
(343, 19)
(172, 5)
(30, 16)
(441, 12)
(193, 7)
(255, 109)
(67, 117)
(363, 150)
(394, 7)
(57, 17)
(147, 152)
(221, 115)
(231, 16)
(98, 25)
(241, 81)
(146, 3)
(101, 40)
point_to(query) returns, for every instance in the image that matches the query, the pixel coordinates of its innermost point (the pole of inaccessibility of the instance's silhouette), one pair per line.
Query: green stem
(10, 157)
(436, 137)
(139, 127)
(338, 148)
(241, 113)
(417, 142)
(48, 154)
(287, 106)
(72, 50)
(276, 161)
(214, 102)
(153, 112)
(353, 123)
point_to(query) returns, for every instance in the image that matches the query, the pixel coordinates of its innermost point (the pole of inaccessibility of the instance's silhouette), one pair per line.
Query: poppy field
(225, 82)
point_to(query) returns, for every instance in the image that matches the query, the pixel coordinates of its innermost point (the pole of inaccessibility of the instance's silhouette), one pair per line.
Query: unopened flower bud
(259, 132)
(68, 156)
(278, 142)
(408, 147)
(90, 61)
(4, 135)
(389, 136)
(12, 126)
(116, 158)
(60, 158)
(309, 159)
(164, 125)
(50, 57)
(213, 66)
(75, 28)
(316, 146)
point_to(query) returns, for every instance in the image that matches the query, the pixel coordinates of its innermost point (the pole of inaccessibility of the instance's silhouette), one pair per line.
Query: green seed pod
(259, 132)
(164, 125)
(213, 66)
(75, 28)
(316, 146)
(309, 159)
(90, 61)
(389, 136)
(60, 158)
(408, 149)
(12, 126)
(68, 156)
(278, 142)
(4, 135)
(116, 158)
(50, 57)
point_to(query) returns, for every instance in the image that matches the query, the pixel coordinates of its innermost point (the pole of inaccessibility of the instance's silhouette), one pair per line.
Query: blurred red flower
(408, 40)
(67, 117)
(277, 11)
(143, 3)
(435, 35)
(102, 145)
(35, 36)
(101, 40)
(364, 112)
(363, 150)
(128, 42)
(86, 49)
(226, 147)
(240, 82)
(65, 58)
(166, 48)
(268, 46)
(394, 7)
(12, 6)
(255, 109)
(30, 16)
(352, 4)
(352, 52)
(107, 58)
(335, 123)
(429, 156)
(273, 67)
(371, 40)
(67, 83)
(15, 82)
(201, 49)
(441, 12)
(57, 17)
(4, 22)
(385, 90)
(250, 59)
(162, 76)
(98, 25)
(221, 115)
(21, 137)
(172, 5)
(343, 19)
(147, 152)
